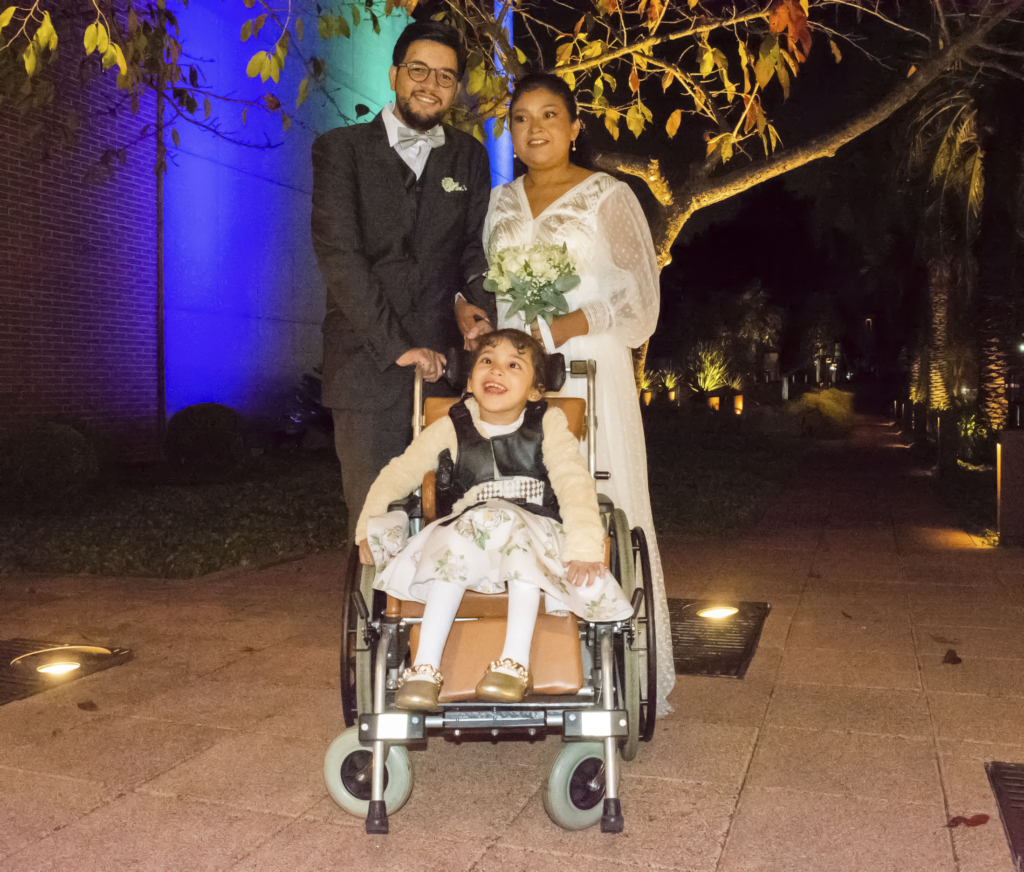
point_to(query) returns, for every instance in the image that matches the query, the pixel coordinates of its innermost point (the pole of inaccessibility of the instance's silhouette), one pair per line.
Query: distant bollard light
(718, 612)
(713, 403)
(737, 404)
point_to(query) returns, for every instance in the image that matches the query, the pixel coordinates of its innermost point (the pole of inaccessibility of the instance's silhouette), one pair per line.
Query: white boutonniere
(450, 185)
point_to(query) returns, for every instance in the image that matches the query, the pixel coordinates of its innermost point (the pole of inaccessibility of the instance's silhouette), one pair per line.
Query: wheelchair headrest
(456, 370)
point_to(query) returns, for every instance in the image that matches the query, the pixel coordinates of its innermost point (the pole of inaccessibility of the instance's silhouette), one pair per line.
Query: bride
(612, 310)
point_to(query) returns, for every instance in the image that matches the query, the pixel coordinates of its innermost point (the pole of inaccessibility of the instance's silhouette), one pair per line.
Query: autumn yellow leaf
(634, 81)
(672, 125)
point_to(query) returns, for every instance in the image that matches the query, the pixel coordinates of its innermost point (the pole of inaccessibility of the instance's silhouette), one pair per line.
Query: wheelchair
(594, 684)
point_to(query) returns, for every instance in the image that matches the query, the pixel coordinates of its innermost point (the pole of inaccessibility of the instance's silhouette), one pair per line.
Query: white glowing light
(58, 668)
(718, 612)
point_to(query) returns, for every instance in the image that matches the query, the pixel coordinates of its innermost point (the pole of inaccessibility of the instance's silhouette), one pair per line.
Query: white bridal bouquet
(534, 279)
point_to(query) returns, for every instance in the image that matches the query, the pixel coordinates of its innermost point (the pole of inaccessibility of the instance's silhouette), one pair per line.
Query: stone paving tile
(120, 752)
(207, 701)
(263, 773)
(851, 764)
(839, 608)
(502, 858)
(850, 668)
(978, 718)
(444, 801)
(857, 709)
(969, 641)
(149, 834)
(668, 823)
(974, 675)
(33, 805)
(690, 750)
(311, 846)
(305, 713)
(295, 662)
(855, 588)
(796, 831)
(967, 611)
(848, 634)
(725, 700)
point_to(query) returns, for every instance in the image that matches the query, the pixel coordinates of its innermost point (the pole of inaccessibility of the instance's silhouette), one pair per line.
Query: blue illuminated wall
(243, 296)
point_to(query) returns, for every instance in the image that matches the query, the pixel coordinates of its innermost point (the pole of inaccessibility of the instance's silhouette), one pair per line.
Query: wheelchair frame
(613, 711)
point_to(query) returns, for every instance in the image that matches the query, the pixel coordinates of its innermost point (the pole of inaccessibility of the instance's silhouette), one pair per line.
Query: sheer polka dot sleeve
(630, 297)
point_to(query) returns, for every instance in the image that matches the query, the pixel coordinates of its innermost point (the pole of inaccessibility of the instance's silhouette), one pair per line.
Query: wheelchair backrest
(574, 408)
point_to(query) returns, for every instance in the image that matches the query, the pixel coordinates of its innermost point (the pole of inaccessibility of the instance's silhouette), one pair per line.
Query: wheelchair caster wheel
(347, 774)
(574, 789)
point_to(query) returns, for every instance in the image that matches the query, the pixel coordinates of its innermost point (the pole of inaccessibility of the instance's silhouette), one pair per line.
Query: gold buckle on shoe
(424, 670)
(522, 673)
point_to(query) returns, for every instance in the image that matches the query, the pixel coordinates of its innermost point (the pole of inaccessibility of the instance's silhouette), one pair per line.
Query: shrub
(827, 412)
(709, 368)
(46, 462)
(972, 434)
(206, 438)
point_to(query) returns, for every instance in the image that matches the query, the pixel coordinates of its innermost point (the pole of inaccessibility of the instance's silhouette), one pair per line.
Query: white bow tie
(406, 138)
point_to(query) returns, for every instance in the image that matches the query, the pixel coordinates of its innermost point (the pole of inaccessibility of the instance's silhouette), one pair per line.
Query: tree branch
(740, 180)
(647, 169)
(644, 44)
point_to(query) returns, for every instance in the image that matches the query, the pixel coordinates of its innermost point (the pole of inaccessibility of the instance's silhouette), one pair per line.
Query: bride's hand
(563, 328)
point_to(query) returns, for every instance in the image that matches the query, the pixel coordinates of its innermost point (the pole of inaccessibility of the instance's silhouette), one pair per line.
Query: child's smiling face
(502, 382)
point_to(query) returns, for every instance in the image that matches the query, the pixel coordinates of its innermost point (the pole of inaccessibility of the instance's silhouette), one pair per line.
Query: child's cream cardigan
(570, 480)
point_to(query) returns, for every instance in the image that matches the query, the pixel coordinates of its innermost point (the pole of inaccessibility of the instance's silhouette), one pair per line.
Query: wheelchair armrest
(410, 505)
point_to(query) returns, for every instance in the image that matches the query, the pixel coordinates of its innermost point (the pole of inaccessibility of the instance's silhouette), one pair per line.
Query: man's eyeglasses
(419, 72)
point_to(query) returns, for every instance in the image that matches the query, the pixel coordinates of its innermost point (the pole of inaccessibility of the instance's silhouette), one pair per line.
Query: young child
(519, 512)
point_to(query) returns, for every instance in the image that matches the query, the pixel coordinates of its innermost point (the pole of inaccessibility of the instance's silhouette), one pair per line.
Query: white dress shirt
(415, 154)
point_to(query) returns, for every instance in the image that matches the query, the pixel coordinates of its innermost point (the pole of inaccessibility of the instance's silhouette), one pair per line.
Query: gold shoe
(420, 688)
(501, 687)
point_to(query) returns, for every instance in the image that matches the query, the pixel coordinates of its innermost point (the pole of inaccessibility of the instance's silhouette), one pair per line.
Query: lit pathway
(848, 746)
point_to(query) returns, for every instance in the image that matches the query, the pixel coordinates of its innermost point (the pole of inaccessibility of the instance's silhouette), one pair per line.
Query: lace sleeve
(628, 271)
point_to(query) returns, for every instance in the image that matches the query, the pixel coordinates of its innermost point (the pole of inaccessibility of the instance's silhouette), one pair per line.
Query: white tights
(439, 615)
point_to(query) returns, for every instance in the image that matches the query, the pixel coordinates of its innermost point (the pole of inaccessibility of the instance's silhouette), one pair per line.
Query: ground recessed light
(58, 668)
(718, 612)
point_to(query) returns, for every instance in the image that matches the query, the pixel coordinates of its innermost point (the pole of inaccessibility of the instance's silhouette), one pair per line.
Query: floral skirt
(482, 550)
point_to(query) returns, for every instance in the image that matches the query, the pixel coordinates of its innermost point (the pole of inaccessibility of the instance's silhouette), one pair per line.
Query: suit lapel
(389, 156)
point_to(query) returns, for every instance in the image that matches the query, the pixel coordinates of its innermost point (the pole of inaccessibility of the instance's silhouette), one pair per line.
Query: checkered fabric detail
(520, 487)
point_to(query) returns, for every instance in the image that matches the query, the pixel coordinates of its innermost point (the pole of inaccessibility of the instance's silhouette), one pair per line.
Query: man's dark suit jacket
(394, 251)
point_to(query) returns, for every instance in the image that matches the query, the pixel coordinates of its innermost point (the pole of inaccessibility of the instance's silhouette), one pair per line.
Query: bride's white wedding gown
(604, 228)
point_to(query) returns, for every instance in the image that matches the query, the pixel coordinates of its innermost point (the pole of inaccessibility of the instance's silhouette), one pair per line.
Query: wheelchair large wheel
(570, 797)
(645, 642)
(628, 676)
(346, 772)
(356, 662)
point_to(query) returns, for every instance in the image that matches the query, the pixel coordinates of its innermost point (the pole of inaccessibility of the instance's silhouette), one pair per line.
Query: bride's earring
(574, 145)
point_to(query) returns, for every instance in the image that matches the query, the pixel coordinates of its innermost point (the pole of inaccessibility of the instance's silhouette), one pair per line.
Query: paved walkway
(848, 746)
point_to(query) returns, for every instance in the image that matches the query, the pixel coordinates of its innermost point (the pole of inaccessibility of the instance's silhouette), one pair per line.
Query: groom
(398, 212)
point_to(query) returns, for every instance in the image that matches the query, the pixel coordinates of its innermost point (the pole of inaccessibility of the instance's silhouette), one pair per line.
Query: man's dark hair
(432, 31)
(521, 342)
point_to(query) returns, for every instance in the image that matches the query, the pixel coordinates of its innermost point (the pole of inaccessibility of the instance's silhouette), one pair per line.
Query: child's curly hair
(521, 342)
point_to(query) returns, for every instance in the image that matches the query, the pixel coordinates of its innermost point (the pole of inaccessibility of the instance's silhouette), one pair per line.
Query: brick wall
(78, 266)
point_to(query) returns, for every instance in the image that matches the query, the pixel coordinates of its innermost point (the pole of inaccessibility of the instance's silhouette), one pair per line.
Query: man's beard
(414, 120)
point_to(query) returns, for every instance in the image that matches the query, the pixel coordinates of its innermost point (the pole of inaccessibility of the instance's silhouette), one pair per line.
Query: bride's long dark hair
(556, 86)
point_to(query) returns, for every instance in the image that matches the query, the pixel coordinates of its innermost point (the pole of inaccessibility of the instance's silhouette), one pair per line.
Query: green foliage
(141, 525)
(47, 463)
(207, 439)
(826, 412)
(973, 436)
(671, 379)
(713, 475)
(649, 380)
(709, 368)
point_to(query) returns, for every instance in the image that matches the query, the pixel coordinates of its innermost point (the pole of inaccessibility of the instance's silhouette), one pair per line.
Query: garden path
(849, 745)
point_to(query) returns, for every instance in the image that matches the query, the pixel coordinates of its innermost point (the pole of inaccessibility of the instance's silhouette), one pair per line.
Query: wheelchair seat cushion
(556, 660)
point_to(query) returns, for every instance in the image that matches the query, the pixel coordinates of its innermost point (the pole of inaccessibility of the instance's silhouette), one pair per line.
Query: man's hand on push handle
(365, 554)
(429, 362)
(472, 322)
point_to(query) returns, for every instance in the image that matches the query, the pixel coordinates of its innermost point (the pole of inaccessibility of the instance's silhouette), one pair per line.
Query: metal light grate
(17, 682)
(1007, 780)
(708, 646)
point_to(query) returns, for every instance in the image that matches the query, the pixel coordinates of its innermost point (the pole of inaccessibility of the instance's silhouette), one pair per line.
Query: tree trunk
(1003, 118)
(939, 274)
